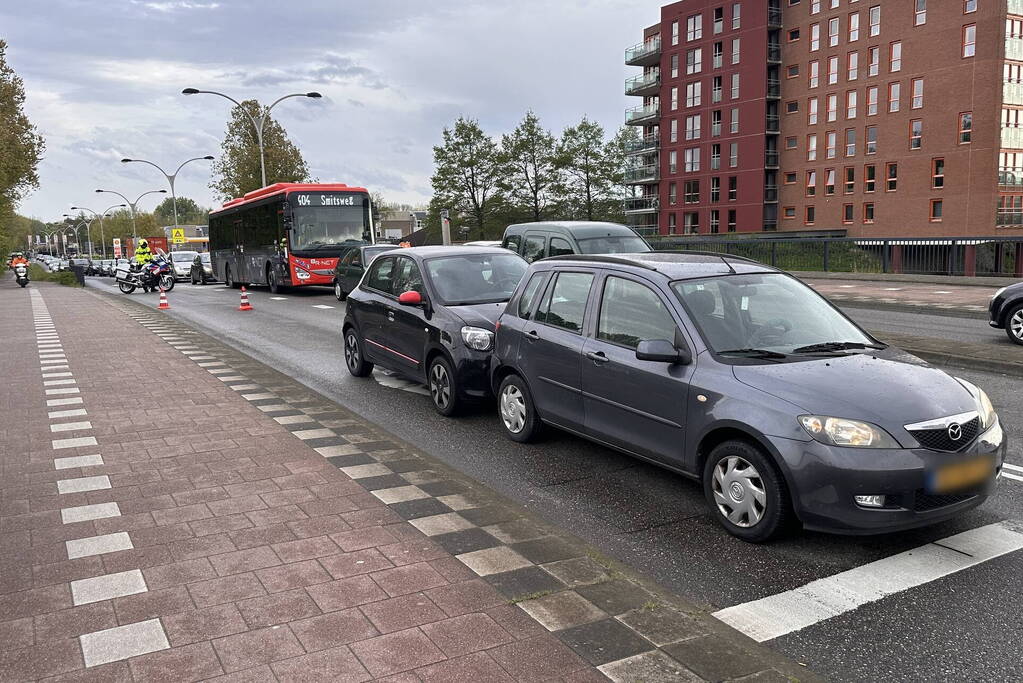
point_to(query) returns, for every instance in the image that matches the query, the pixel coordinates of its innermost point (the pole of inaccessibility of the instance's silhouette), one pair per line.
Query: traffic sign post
(177, 235)
(117, 247)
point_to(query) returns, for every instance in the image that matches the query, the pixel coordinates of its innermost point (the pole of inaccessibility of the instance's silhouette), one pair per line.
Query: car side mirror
(662, 351)
(411, 298)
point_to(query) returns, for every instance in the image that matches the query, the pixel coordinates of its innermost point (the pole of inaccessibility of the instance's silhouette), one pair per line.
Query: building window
(694, 27)
(891, 177)
(854, 27)
(733, 154)
(829, 182)
(719, 20)
(692, 192)
(832, 107)
(672, 193)
(894, 97)
(832, 70)
(833, 32)
(850, 142)
(966, 128)
(674, 66)
(790, 177)
(672, 224)
(694, 97)
(936, 210)
(792, 71)
(674, 32)
(735, 50)
(715, 123)
(850, 104)
(674, 130)
(694, 61)
(715, 189)
(875, 20)
(847, 213)
(868, 212)
(733, 188)
(918, 93)
(788, 213)
(736, 15)
(969, 6)
(830, 142)
(811, 215)
(792, 107)
(811, 111)
(692, 127)
(871, 140)
(811, 147)
(895, 56)
(715, 157)
(692, 160)
(815, 6)
(735, 86)
(814, 76)
(791, 142)
(874, 55)
(916, 134)
(938, 173)
(811, 183)
(793, 35)
(853, 66)
(920, 14)
(718, 54)
(969, 40)
(672, 161)
(731, 220)
(872, 101)
(715, 221)
(715, 89)
(869, 178)
(674, 98)
(815, 37)
(850, 179)
(733, 126)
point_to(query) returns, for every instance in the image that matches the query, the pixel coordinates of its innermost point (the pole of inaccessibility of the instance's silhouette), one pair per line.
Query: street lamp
(169, 176)
(256, 123)
(133, 204)
(50, 232)
(100, 216)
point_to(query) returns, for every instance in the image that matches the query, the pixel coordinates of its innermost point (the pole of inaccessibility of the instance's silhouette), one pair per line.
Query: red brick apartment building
(884, 118)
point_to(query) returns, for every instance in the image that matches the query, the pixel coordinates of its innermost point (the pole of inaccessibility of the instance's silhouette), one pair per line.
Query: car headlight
(984, 407)
(478, 338)
(838, 431)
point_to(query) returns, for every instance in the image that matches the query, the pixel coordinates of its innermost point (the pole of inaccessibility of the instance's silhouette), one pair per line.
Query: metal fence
(972, 257)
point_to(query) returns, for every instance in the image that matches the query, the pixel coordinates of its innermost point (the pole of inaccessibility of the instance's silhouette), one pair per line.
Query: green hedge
(39, 274)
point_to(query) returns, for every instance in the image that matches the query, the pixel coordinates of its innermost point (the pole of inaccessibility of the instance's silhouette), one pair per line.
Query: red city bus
(288, 234)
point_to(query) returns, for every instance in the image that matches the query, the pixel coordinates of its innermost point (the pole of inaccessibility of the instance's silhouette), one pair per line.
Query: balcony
(1010, 177)
(1016, 7)
(770, 193)
(643, 145)
(646, 230)
(646, 53)
(641, 175)
(1014, 49)
(1012, 138)
(773, 88)
(644, 84)
(774, 17)
(644, 115)
(773, 53)
(770, 159)
(1012, 93)
(637, 205)
(773, 125)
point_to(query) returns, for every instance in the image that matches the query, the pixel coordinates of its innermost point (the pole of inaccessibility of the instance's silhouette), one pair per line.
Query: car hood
(479, 315)
(890, 388)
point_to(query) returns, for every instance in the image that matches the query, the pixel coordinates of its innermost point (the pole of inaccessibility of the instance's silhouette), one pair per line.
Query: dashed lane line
(1015, 472)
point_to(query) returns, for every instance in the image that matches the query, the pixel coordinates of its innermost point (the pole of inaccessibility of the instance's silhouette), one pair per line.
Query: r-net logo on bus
(326, 200)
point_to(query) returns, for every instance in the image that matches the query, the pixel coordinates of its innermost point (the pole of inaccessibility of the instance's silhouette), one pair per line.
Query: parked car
(201, 270)
(351, 265)
(741, 376)
(181, 263)
(107, 267)
(428, 313)
(533, 241)
(1006, 311)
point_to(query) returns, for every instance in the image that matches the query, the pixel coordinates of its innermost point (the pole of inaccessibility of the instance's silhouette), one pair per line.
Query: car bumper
(472, 370)
(824, 481)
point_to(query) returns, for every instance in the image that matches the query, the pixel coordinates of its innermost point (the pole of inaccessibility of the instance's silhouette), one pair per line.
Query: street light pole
(100, 216)
(256, 123)
(133, 205)
(170, 177)
(88, 231)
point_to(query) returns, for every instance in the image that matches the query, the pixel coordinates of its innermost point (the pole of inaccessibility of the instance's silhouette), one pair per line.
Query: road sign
(177, 235)
(117, 247)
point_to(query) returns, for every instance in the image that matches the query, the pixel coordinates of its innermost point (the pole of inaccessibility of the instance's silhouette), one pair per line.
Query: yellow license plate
(961, 475)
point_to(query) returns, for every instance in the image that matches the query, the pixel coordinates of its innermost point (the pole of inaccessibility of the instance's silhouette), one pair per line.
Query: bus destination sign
(327, 200)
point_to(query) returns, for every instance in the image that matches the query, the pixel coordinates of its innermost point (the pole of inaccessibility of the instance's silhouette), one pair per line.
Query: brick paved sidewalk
(173, 510)
(933, 298)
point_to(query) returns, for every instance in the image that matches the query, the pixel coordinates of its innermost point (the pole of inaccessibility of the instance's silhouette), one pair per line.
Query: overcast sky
(103, 81)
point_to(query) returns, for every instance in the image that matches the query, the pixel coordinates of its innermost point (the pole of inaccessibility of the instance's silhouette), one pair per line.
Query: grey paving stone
(562, 610)
(389, 481)
(488, 515)
(425, 507)
(400, 494)
(547, 549)
(107, 587)
(340, 461)
(465, 541)
(662, 625)
(616, 597)
(715, 659)
(604, 641)
(577, 571)
(524, 582)
(443, 523)
(493, 560)
(649, 667)
(97, 545)
(122, 642)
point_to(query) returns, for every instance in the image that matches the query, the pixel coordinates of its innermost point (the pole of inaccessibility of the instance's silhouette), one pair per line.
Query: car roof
(578, 229)
(432, 252)
(674, 265)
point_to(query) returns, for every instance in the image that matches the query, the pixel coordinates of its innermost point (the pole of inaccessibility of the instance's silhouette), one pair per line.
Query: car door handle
(597, 357)
(532, 335)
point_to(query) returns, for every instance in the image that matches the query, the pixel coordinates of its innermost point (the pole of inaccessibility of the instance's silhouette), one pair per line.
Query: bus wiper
(752, 353)
(836, 346)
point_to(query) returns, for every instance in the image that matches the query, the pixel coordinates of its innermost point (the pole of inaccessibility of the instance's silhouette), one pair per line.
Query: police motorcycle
(150, 277)
(21, 274)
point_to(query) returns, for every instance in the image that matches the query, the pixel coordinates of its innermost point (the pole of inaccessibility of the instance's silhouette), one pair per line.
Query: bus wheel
(271, 280)
(229, 278)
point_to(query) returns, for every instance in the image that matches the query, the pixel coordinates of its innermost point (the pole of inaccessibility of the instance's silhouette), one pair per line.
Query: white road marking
(793, 610)
(893, 289)
(1016, 468)
(1014, 477)
(278, 298)
(322, 306)
(393, 381)
(847, 286)
(941, 291)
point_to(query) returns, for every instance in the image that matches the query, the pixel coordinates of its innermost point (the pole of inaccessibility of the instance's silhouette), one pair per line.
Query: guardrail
(966, 256)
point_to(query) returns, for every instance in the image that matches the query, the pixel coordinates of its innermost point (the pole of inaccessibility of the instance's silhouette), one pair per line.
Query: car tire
(1014, 324)
(356, 363)
(517, 411)
(229, 279)
(440, 380)
(339, 293)
(745, 492)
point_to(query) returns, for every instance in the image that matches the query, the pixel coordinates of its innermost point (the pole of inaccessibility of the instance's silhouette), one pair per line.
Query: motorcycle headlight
(478, 338)
(838, 431)
(984, 407)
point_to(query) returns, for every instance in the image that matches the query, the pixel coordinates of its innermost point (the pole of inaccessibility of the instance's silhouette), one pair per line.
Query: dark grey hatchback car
(741, 376)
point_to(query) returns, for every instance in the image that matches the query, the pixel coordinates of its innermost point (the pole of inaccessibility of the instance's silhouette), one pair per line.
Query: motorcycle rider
(143, 257)
(18, 258)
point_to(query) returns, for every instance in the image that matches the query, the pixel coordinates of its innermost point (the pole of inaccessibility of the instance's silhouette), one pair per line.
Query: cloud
(176, 5)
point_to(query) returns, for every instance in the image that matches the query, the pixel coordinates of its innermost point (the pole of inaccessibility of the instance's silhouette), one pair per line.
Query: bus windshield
(325, 227)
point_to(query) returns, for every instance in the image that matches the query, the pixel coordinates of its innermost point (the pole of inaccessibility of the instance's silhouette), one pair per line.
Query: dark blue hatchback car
(741, 376)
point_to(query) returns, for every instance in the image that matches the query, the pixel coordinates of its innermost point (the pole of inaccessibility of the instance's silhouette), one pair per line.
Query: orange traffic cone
(245, 305)
(164, 305)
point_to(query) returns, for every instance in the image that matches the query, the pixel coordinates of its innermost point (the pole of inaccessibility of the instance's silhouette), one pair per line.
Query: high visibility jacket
(143, 256)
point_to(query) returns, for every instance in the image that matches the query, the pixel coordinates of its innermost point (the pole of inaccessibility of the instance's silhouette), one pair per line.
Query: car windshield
(613, 244)
(475, 278)
(184, 256)
(768, 312)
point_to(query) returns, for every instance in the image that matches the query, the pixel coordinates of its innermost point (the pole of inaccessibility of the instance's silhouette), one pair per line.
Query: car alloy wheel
(1014, 324)
(339, 293)
(442, 386)
(357, 365)
(739, 491)
(513, 409)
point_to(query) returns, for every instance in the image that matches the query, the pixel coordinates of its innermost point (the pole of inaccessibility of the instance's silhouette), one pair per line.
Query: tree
(529, 154)
(615, 155)
(236, 171)
(583, 157)
(189, 212)
(468, 174)
(21, 148)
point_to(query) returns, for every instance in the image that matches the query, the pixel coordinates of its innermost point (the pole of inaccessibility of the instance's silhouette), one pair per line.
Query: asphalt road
(964, 626)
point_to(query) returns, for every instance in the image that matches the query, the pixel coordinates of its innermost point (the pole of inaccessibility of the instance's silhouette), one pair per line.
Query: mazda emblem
(955, 431)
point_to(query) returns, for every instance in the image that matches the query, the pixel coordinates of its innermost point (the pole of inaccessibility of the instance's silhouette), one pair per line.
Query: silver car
(181, 262)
